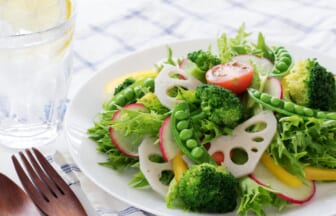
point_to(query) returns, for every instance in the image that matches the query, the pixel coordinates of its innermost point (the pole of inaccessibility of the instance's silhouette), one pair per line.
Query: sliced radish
(152, 170)
(297, 195)
(273, 87)
(126, 144)
(168, 146)
(260, 62)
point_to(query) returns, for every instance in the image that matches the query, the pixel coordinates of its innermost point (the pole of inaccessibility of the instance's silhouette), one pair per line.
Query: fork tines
(45, 186)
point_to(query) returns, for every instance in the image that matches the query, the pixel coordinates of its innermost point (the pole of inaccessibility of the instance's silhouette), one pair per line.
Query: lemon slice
(111, 85)
(25, 16)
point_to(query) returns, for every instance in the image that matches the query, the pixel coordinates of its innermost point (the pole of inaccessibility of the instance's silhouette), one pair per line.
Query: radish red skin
(286, 197)
(168, 147)
(114, 134)
(299, 201)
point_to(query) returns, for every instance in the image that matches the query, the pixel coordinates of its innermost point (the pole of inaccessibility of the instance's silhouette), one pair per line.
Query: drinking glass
(35, 69)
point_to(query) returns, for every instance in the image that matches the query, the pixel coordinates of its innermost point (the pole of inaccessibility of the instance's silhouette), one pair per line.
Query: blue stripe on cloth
(270, 16)
(130, 15)
(69, 168)
(190, 14)
(84, 61)
(115, 37)
(131, 210)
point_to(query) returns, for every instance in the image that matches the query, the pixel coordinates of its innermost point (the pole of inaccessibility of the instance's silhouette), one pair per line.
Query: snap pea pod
(282, 62)
(185, 136)
(287, 107)
(131, 93)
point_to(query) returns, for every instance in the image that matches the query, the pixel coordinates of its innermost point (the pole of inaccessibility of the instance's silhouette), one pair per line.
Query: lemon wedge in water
(25, 16)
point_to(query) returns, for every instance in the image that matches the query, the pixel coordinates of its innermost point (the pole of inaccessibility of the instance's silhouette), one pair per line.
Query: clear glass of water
(35, 69)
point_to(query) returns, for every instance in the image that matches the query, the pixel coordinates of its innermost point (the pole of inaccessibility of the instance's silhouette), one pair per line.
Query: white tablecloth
(110, 29)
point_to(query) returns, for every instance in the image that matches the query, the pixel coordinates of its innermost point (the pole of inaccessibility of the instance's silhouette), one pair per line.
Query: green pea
(331, 115)
(186, 134)
(276, 102)
(281, 66)
(308, 112)
(120, 100)
(284, 55)
(289, 106)
(285, 60)
(255, 93)
(321, 115)
(184, 124)
(129, 94)
(138, 91)
(191, 143)
(149, 83)
(298, 109)
(197, 152)
(265, 97)
(181, 115)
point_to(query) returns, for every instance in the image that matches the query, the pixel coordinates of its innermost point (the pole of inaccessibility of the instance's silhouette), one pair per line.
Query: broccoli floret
(220, 105)
(208, 188)
(203, 59)
(127, 82)
(311, 85)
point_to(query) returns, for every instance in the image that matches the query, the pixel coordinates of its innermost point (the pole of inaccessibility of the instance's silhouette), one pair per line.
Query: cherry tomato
(234, 76)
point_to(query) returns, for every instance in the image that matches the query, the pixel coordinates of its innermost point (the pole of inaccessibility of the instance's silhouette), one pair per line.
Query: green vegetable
(127, 82)
(205, 188)
(305, 141)
(191, 68)
(229, 47)
(185, 135)
(169, 60)
(203, 59)
(254, 198)
(287, 107)
(151, 102)
(220, 108)
(138, 181)
(128, 93)
(138, 122)
(261, 48)
(239, 44)
(219, 105)
(282, 62)
(310, 84)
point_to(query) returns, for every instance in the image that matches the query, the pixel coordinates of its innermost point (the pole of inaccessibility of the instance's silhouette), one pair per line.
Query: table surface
(109, 29)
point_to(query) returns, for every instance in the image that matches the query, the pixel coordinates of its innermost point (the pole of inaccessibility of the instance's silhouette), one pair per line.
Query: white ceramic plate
(88, 101)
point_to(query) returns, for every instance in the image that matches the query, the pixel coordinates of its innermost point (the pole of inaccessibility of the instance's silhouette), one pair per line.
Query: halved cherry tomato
(234, 76)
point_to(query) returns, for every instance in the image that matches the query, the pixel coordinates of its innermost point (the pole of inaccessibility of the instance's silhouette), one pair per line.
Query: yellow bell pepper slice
(179, 166)
(277, 170)
(320, 174)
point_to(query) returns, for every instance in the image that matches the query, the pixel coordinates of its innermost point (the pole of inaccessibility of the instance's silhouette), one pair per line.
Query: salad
(238, 127)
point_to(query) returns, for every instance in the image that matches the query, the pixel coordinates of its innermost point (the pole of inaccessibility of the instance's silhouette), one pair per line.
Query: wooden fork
(47, 189)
